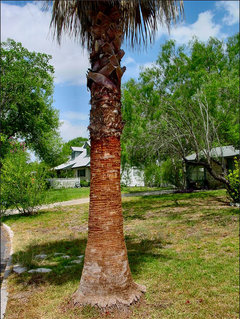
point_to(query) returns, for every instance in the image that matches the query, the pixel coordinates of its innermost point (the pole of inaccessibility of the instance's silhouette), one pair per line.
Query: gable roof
(224, 151)
(82, 160)
(76, 149)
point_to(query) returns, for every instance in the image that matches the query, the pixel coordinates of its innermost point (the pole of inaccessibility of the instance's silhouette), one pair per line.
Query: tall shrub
(234, 181)
(22, 183)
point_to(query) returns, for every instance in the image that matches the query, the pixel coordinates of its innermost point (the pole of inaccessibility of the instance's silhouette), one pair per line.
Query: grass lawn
(182, 247)
(64, 194)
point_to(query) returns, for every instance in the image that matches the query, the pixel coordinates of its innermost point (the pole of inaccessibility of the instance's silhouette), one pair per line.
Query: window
(81, 173)
(197, 174)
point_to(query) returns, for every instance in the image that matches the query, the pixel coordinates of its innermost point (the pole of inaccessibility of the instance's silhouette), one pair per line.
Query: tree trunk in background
(106, 278)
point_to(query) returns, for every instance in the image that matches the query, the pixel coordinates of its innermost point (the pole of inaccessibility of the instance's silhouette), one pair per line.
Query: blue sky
(25, 21)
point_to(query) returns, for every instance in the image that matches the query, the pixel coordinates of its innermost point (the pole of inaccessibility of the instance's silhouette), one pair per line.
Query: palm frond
(140, 18)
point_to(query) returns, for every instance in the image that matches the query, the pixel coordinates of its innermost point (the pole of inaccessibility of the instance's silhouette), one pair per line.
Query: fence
(64, 182)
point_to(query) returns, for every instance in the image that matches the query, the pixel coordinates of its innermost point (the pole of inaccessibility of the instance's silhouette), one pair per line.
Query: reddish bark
(106, 278)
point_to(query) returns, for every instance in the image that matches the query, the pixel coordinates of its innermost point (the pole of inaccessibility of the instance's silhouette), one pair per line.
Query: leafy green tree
(23, 184)
(102, 26)
(187, 102)
(26, 101)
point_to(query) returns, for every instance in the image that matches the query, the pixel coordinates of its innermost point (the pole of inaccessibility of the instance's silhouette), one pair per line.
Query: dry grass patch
(183, 247)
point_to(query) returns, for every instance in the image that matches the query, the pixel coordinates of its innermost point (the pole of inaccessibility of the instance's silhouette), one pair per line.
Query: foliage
(172, 172)
(234, 180)
(26, 100)
(22, 183)
(153, 175)
(139, 19)
(65, 173)
(84, 183)
(186, 102)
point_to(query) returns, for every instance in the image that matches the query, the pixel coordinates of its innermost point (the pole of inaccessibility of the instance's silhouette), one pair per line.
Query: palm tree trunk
(106, 278)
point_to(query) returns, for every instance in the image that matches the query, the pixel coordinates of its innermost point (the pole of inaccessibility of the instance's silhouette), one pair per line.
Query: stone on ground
(41, 256)
(19, 269)
(42, 270)
(77, 261)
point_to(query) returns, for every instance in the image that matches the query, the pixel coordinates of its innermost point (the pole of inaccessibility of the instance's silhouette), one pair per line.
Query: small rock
(58, 254)
(65, 256)
(70, 266)
(78, 261)
(80, 257)
(19, 270)
(41, 256)
(40, 270)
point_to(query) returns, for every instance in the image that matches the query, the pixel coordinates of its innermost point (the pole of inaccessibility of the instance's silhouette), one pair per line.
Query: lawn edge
(4, 291)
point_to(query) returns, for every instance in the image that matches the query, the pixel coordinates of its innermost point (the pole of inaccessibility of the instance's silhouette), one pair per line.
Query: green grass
(61, 195)
(182, 247)
(138, 189)
(64, 194)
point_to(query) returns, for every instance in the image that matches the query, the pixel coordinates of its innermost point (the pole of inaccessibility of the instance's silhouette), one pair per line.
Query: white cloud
(232, 8)
(128, 60)
(203, 28)
(76, 116)
(69, 131)
(30, 26)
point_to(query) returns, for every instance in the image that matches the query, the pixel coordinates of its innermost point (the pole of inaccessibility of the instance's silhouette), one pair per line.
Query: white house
(80, 164)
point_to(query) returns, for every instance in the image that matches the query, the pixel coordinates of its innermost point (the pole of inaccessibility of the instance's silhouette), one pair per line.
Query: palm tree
(102, 25)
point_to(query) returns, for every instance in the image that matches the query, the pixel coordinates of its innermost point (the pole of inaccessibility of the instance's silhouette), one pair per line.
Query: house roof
(82, 160)
(224, 151)
(66, 165)
(77, 149)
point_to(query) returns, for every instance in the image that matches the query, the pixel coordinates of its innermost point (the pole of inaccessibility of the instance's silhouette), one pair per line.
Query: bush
(172, 173)
(84, 184)
(153, 175)
(234, 181)
(65, 173)
(23, 184)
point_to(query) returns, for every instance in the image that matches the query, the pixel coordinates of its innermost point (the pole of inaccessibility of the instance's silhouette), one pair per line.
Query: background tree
(102, 25)
(187, 102)
(26, 101)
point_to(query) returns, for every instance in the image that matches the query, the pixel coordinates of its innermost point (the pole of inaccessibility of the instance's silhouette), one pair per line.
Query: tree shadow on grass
(16, 217)
(144, 251)
(64, 271)
(138, 209)
(221, 217)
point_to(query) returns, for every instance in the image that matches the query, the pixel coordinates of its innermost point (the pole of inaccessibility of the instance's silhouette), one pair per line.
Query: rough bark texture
(106, 278)
(104, 78)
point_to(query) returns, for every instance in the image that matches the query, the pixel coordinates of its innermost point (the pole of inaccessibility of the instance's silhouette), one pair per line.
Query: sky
(28, 23)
